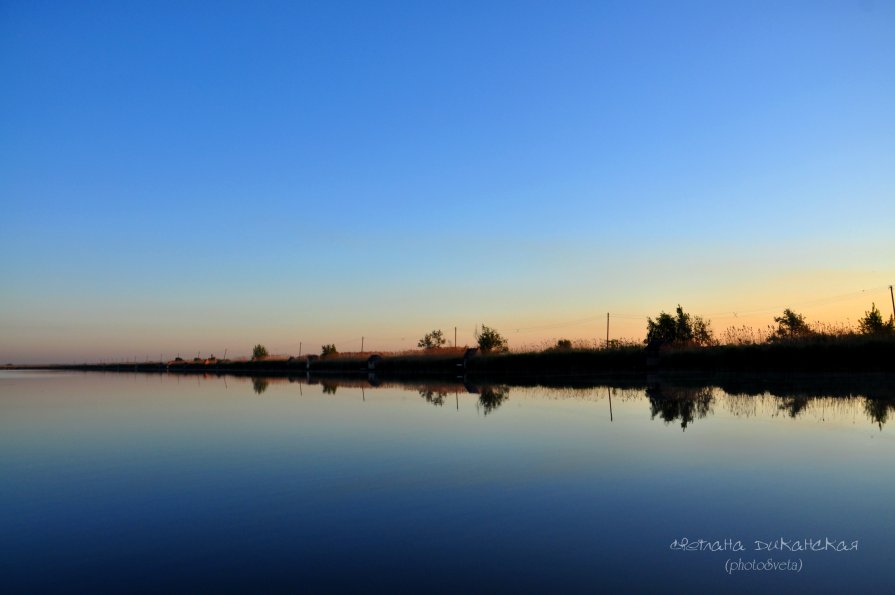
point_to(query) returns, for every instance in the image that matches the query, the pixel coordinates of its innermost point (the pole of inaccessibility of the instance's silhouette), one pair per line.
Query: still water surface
(114, 482)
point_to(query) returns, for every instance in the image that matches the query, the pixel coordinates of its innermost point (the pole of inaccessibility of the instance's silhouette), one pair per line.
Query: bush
(329, 349)
(681, 329)
(432, 340)
(490, 340)
(872, 323)
(790, 325)
(563, 344)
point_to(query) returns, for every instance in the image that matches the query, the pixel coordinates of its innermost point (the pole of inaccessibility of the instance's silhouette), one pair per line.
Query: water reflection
(326, 471)
(677, 401)
(793, 406)
(878, 410)
(436, 397)
(492, 397)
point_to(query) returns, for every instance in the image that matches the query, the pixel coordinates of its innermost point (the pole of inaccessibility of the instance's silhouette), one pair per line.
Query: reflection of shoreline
(680, 400)
(877, 386)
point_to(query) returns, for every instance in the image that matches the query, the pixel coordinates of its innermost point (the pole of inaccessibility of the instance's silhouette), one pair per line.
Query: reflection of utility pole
(609, 392)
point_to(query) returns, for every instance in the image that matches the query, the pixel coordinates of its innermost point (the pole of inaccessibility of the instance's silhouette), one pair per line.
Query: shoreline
(849, 355)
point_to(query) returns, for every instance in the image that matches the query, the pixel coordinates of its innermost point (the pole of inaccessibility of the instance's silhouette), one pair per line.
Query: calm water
(141, 482)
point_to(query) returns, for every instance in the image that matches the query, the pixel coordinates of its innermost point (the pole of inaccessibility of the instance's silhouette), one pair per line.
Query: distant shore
(856, 354)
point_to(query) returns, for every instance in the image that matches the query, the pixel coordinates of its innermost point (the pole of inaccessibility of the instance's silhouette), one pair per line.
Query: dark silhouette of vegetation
(489, 340)
(493, 397)
(794, 405)
(872, 323)
(329, 388)
(259, 385)
(432, 340)
(508, 366)
(790, 346)
(436, 397)
(683, 403)
(790, 325)
(681, 329)
(878, 410)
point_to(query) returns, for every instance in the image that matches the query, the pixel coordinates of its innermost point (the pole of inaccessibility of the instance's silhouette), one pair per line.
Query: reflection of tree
(794, 405)
(259, 385)
(329, 388)
(432, 396)
(683, 403)
(878, 410)
(493, 397)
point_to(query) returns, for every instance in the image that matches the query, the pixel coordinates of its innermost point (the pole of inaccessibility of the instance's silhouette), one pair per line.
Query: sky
(194, 177)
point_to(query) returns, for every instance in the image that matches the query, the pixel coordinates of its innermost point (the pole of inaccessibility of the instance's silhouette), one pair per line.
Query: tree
(662, 330)
(702, 331)
(790, 325)
(490, 340)
(872, 323)
(329, 349)
(682, 328)
(259, 351)
(432, 340)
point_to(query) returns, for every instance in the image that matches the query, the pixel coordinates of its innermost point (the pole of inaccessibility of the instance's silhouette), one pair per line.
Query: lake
(135, 482)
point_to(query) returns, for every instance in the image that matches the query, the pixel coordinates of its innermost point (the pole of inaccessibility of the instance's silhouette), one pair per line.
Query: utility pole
(455, 336)
(607, 330)
(891, 295)
(361, 344)
(299, 349)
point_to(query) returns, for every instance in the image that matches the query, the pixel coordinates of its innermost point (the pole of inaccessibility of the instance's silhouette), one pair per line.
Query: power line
(816, 302)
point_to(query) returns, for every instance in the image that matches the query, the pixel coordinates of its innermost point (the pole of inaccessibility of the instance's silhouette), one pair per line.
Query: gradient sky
(181, 177)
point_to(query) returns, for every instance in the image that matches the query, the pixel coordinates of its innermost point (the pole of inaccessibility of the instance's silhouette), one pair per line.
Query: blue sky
(179, 177)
